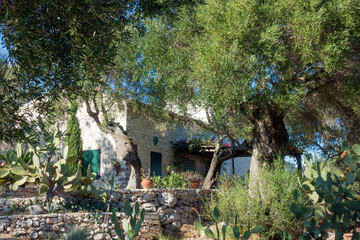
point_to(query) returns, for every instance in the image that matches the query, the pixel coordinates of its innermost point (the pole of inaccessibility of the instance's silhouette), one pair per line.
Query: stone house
(154, 146)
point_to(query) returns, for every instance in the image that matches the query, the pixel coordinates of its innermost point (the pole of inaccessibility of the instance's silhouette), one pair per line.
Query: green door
(155, 166)
(92, 157)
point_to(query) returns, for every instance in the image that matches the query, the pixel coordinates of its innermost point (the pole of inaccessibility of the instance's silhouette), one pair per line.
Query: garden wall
(169, 208)
(50, 226)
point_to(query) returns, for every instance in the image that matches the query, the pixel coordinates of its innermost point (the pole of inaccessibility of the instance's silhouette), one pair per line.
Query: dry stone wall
(166, 210)
(50, 226)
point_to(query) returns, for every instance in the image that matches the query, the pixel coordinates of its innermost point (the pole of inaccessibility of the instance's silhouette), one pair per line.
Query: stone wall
(143, 131)
(175, 207)
(172, 207)
(52, 226)
(27, 191)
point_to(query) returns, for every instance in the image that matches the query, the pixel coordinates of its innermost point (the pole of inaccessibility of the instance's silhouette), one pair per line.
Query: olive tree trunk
(221, 155)
(125, 147)
(270, 141)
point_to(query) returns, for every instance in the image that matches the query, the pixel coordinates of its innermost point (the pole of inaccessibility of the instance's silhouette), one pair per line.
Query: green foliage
(191, 176)
(241, 59)
(73, 136)
(19, 168)
(65, 47)
(331, 202)
(77, 234)
(191, 145)
(131, 226)
(54, 174)
(217, 235)
(173, 180)
(270, 208)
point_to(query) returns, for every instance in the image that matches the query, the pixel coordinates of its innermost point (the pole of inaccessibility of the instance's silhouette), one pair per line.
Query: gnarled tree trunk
(221, 155)
(125, 146)
(270, 140)
(128, 150)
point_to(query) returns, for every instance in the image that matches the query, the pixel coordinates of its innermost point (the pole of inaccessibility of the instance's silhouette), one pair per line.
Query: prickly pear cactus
(131, 226)
(331, 203)
(19, 167)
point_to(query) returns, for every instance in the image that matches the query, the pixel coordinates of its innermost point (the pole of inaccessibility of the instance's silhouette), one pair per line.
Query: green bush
(270, 208)
(173, 180)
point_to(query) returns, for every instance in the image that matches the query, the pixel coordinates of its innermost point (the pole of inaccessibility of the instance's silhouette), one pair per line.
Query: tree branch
(95, 116)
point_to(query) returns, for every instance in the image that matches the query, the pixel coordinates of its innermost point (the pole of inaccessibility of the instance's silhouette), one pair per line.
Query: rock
(188, 209)
(174, 226)
(99, 236)
(6, 209)
(172, 218)
(184, 221)
(150, 207)
(33, 235)
(51, 220)
(2, 228)
(28, 223)
(19, 232)
(179, 210)
(165, 210)
(35, 210)
(42, 234)
(169, 199)
(149, 196)
(6, 223)
(66, 200)
(149, 235)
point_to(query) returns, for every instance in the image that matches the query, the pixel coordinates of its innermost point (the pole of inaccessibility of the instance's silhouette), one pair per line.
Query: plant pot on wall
(146, 183)
(194, 184)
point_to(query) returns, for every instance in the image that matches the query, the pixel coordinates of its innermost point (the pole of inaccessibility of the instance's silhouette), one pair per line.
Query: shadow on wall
(107, 160)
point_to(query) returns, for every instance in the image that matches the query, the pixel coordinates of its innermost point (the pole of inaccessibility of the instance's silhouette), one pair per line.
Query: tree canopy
(263, 68)
(56, 48)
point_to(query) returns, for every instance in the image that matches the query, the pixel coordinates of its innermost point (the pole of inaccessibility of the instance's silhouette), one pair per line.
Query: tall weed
(270, 207)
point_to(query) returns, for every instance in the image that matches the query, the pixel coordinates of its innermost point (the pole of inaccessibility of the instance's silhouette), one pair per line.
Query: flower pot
(227, 185)
(146, 183)
(117, 168)
(194, 184)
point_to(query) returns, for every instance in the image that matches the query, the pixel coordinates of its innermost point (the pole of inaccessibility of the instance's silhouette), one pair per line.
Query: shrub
(173, 180)
(270, 208)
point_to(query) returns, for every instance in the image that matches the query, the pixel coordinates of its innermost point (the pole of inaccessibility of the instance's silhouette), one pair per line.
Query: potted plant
(146, 180)
(227, 181)
(193, 178)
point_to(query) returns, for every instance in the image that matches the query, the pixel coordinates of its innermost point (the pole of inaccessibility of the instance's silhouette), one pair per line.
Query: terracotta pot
(146, 183)
(194, 184)
(117, 168)
(227, 185)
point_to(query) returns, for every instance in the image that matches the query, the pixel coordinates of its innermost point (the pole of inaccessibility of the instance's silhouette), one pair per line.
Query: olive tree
(259, 62)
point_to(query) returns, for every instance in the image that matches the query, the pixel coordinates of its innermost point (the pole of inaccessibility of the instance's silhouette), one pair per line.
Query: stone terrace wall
(23, 192)
(173, 207)
(52, 226)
